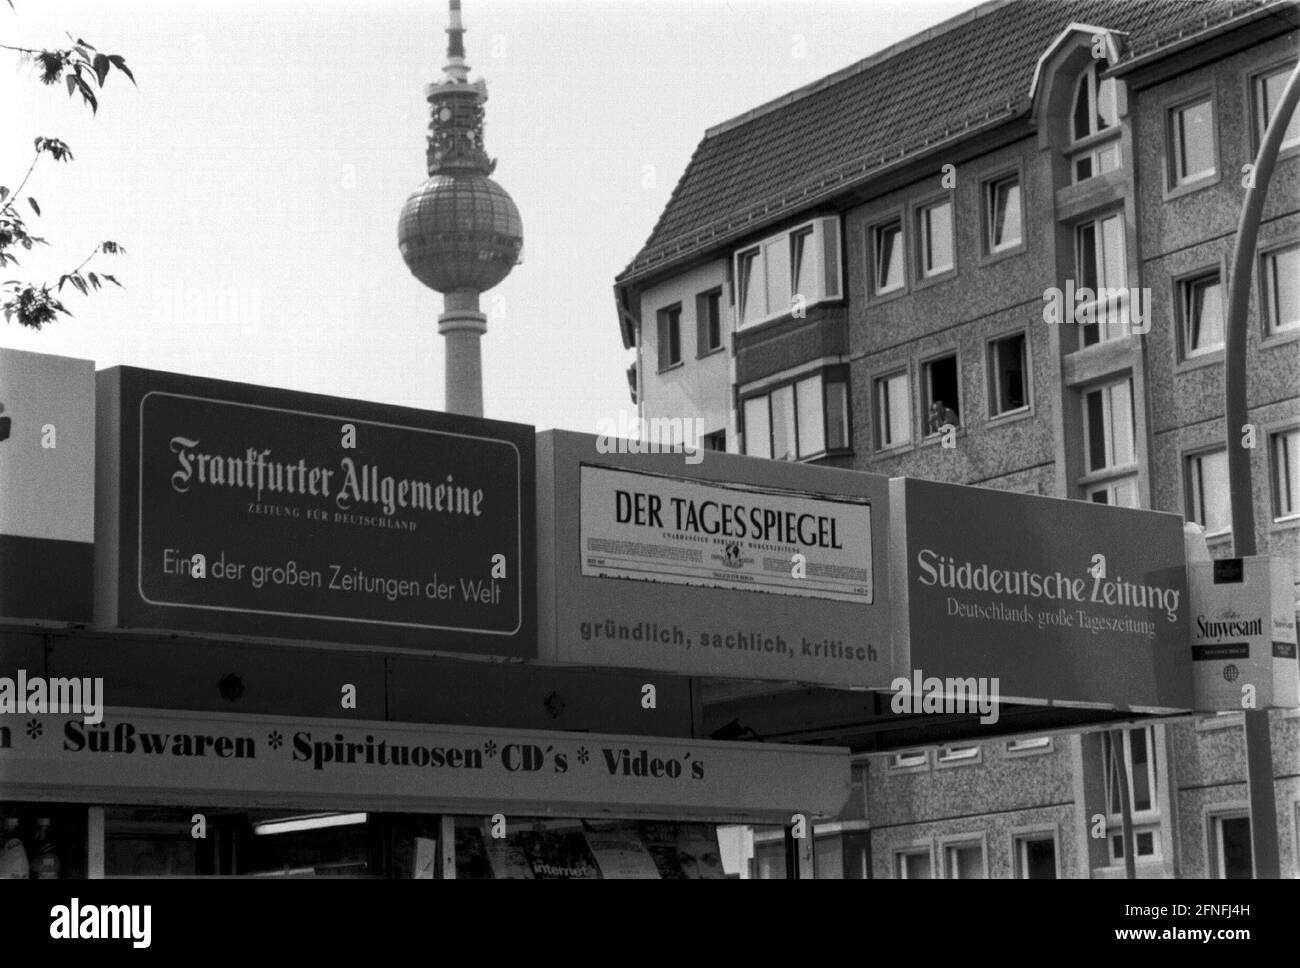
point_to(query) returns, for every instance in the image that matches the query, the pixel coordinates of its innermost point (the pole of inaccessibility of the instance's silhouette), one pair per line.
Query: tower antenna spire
(456, 69)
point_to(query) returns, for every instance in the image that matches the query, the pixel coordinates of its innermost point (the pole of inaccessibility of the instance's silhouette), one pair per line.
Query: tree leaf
(72, 84)
(94, 279)
(119, 62)
(101, 64)
(80, 283)
(32, 202)
(88, 94)
(4, 193)
(62, 280)
(111, 279)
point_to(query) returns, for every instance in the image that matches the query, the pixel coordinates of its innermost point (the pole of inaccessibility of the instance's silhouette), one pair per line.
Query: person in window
(940, 416)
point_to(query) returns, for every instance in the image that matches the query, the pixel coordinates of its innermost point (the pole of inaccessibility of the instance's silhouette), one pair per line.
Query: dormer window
(1094, 124)
(789, 272)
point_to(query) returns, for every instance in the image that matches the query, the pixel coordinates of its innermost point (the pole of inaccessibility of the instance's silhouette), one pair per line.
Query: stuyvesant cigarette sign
(689, 532)
(151, 754)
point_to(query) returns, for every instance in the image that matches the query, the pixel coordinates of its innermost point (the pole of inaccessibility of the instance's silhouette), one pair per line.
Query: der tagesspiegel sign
(315, 518)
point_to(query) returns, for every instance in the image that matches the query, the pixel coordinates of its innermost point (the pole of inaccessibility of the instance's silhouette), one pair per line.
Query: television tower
(460, 232)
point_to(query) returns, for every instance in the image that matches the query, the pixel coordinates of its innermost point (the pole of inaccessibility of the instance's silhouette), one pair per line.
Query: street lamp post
(1259, 754)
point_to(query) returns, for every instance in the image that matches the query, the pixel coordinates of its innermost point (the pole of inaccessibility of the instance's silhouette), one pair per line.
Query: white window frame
(1186, 311)
(1114, 829)
(900, 246)
(1176, 145)
(958, 841)
(1111, 490)
(990, 197)
(925, 271)
(1112, 320)
(950, 756)
(1145, 815)
(908, 761)
(1098, 140)
(1108, 419)
(1020, 838)
(1267, 279)
(1280, 474)
(913, 850)
(1029, 746)
(927, 393)
(878, 386)
(994, 377)
(1260, 110)
(829, 284)
(821, 375)
(1214, 817)
(1193, 485)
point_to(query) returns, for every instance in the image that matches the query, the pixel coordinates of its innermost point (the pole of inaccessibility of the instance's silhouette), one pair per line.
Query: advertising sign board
(730, 567)
(151, 755)
(1243, 634)
(47, 474)
(315, 518)
(1061, 601)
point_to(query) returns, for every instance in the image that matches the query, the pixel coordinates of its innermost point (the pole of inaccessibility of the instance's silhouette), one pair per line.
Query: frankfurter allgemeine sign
(253, 511)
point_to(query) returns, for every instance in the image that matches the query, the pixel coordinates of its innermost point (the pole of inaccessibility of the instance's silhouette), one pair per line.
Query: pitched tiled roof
(817, 141)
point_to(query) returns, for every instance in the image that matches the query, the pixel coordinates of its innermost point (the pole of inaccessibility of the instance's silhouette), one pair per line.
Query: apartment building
(996, 253)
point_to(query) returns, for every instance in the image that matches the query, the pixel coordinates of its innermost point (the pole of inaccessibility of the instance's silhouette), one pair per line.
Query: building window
(939, 384)
(799, 420)
(1268, 92)
(1008, 375)
(1139, 762)
(758, 427)
(716, 441)
(749, 269)
(1191, 142)
(1120, 494)
(802, 262)
(1146, 843)
(670, 336)
(1036, 857)
(1281, 278)
(934, 238)
(1233, 850)
(1286, 474)
(912, 865)
(909, 760)
(887, 246)
(964, 861)
(1101, 269)
(956, 755)
(1200, 303)
(1033, 744)
(1002, 214)
(893, 396)
(1096, 111)
(708, 321)
(1108, 426)
(1207, 491)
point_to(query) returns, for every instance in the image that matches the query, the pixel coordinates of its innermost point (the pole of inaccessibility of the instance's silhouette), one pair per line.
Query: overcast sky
(256, 176)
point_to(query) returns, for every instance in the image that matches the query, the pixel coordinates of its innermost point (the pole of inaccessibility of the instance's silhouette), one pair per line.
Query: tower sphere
(460, 230)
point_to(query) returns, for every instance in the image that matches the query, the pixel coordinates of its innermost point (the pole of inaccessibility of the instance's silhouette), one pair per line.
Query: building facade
(996, 254)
